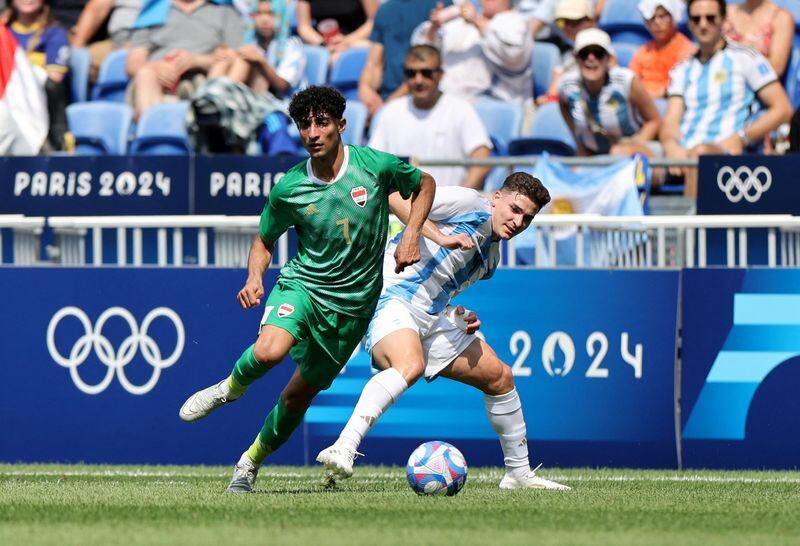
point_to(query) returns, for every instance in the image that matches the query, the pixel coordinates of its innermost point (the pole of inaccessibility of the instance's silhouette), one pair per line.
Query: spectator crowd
(679, 80)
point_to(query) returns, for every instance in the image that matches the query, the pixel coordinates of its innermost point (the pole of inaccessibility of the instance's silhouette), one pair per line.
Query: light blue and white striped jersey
(442, 273)
(719, 96)
(611, 108)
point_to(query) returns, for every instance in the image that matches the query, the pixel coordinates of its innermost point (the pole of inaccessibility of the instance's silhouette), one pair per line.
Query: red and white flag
(23, 104)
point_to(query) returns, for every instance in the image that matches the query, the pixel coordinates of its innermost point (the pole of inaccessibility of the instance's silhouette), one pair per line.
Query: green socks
(278, 426)
(246, 370)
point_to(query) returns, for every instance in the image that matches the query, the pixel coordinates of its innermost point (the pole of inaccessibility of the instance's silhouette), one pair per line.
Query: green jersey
(342, 226)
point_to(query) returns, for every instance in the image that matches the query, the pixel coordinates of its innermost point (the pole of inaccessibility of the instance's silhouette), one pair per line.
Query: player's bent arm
(402, 209)
(257, 262)
(407, 251)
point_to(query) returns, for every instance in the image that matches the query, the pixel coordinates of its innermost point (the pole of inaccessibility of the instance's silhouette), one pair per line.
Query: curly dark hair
(529, 186)
(316, 100)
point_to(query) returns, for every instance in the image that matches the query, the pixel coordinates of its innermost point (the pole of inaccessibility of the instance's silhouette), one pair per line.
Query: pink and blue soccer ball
(436, 468)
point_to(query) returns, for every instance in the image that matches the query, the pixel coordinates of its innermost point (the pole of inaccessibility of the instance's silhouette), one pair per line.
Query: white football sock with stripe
(378, 395)
(505, 416)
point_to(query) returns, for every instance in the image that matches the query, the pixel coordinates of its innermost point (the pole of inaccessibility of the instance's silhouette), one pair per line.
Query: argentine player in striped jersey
(712, 95)
(321, 305)
(416, 333)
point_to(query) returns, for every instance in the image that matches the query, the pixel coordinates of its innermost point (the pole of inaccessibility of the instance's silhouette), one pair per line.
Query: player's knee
(267, 353)
(297, 402)
(413, 371)
(501, 380)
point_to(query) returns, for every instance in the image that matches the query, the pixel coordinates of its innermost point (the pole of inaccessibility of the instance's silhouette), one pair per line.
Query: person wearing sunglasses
(712, 96)
(431, 123)
(653, 61)
(606, 107)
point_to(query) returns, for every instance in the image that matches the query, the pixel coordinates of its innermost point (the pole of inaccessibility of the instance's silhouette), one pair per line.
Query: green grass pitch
(94, 505)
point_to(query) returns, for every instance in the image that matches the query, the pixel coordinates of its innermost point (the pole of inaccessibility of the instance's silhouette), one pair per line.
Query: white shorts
(442, 340)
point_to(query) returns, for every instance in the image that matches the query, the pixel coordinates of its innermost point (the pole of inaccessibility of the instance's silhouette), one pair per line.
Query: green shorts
(324, 339)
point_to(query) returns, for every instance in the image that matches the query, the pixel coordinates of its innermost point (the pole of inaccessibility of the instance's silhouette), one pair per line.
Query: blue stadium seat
(624, 32)
(316, 64)
(80, 64)
(347, 70)
(548, 123)
(620, 11)
(356, 115)
(625, 51)
(546, 57)
(100, 127)
(112, 80)
(162, 131)
(501, 119)
(535, 146)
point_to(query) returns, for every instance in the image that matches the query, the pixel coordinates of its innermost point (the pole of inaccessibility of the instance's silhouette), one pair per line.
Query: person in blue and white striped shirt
(416, 333)
(711, 97)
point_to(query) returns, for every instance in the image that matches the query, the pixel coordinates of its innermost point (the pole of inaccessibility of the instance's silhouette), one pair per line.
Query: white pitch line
(488, 477)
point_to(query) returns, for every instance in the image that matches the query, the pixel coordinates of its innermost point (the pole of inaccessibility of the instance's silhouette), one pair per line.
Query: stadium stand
(99, 127)
(502, 121)
(625, 51)
(356, 115)
(549, 124)
(162, 131)
(546, 57)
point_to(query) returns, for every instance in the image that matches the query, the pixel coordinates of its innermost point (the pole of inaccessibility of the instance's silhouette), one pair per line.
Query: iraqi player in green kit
(324, 298)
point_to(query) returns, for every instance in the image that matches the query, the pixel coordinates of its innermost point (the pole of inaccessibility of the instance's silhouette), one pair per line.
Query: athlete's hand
(470, 318)
(459, 241)
(406, 254)
(250, 296)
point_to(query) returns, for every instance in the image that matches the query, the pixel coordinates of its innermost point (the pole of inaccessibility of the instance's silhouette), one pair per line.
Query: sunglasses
(712, 19)
(427, 73)
(598, 52)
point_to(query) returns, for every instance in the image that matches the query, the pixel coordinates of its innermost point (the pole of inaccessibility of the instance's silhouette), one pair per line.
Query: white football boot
(338, 460)
(203, 402)
(245, 473)
(531, 481)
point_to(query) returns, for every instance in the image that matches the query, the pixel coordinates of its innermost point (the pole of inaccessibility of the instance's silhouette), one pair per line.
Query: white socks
(505, 416)
(378, 394)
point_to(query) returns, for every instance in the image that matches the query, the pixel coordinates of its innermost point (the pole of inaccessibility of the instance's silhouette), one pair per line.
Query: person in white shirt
(486, 53)
(431, 124)
(415, 332)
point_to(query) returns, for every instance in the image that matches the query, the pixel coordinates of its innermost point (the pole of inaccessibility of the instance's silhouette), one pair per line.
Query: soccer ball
(436, 468)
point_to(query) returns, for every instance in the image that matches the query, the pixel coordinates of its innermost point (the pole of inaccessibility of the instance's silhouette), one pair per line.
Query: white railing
(232, 238)
(627, 242)
(26, 237)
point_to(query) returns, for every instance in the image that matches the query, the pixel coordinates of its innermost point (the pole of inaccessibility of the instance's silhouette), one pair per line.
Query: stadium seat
(790, 78)
(316, 64)
(112, 81)
(633, 34)
(100, 127)
(535, 146)
(356, 115)
(620, 11)
(162, 131)
(625, 51)
(546, 57)
(501, 119)
(548, 123)
(347, 70)
(80, 63)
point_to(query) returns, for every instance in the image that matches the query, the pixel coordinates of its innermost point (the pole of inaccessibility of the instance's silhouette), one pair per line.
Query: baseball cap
(573, 10)
(593, 37)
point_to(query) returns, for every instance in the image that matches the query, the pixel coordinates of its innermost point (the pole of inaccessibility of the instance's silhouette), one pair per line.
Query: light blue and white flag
(607, 191)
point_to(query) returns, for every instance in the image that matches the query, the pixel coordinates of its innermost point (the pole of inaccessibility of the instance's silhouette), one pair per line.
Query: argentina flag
(607, 191)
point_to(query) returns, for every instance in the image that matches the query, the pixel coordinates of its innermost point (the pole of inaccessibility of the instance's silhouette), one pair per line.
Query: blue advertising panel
(748, 184)
(94, 186)
(97, 370)
(593, 354)
(741, 368)
(236, 185)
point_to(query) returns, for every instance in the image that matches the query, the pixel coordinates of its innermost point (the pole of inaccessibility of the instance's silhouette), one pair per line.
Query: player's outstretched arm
(402, 209)
(407, 252)
(257, 262)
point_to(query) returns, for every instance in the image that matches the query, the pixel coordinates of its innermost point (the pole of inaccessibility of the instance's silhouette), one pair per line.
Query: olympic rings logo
(744, 183)
(115, 361)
